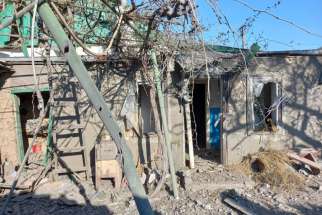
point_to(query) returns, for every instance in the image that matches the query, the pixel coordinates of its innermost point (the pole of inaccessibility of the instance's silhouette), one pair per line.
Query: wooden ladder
(70, 152)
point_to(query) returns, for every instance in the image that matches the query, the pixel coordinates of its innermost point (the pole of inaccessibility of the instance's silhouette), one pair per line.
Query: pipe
(95, 97)
(164, 122)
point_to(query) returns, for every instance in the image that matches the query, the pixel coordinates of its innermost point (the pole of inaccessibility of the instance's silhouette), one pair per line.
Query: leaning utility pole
(95, 97)
(242, 30)
(99, 104)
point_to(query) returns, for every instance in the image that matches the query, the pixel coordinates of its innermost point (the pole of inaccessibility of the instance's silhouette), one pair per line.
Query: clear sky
(275, 34)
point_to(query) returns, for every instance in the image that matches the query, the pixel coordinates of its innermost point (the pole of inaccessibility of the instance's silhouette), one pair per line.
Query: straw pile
(273, 168)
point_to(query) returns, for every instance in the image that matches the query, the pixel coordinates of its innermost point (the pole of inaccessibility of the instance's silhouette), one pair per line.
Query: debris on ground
(313, 166)
(210, 188)
(273, 168)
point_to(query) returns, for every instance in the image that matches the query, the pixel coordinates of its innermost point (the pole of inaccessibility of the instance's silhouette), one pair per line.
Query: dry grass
(273, 168)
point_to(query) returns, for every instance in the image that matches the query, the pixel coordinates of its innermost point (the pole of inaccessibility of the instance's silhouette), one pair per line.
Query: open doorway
(198, 116)
(206, 120)
(27, 114)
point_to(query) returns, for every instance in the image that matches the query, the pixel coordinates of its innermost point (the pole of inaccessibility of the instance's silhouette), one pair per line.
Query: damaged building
(232, 110)
(168, 106)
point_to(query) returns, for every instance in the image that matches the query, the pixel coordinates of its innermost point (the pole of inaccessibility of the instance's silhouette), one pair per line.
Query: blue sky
(275, 34)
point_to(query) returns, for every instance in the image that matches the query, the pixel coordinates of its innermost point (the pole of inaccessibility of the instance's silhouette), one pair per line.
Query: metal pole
(74, 61)
(164, 122)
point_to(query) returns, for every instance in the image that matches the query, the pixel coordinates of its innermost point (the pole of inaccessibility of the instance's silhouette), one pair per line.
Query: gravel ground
(202, 191)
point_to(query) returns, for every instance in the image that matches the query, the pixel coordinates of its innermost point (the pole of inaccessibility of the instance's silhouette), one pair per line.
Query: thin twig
(279, 18)
(114, 34)
(71, 32)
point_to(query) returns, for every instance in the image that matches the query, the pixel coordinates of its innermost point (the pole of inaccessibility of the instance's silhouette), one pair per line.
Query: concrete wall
(301, 115)
(22, 78)
(8, 148)
(115, 88)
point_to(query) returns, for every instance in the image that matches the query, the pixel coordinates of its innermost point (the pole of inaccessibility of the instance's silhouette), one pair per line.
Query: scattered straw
(273, 168)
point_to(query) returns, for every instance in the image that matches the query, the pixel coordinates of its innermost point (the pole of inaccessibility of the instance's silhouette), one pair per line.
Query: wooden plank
(18, 187)
(189, 137)
(314, 152)
(26, 70)
(314, 166)
(233, 203)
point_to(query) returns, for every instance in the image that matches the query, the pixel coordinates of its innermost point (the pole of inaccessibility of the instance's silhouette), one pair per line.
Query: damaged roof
(216, 60)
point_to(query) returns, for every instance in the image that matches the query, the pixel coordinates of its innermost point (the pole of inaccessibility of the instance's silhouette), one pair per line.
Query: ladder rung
(72, 127)
(65, 99)
(66, 150)
(63, 104)
(65, 170)
(66, 135)
(68, 117)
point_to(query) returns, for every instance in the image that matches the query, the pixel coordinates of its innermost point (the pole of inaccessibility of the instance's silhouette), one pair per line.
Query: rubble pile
(209, 188)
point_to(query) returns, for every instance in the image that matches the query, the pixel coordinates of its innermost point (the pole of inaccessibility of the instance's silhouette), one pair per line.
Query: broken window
(148, 121)
(266, 103)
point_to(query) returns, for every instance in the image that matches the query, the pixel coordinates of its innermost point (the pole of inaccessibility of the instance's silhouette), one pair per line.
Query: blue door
(215, 128)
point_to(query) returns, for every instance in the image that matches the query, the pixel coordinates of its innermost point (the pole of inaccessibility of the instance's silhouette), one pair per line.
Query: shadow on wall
(302, 113)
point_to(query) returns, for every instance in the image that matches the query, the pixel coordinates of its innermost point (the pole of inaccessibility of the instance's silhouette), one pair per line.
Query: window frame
(154, 131)
(250, 97)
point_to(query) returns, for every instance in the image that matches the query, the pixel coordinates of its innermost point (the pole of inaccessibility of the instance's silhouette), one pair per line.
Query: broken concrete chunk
(236, 205)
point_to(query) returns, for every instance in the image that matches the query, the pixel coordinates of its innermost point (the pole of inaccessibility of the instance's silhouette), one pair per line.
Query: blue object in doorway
(215, 128)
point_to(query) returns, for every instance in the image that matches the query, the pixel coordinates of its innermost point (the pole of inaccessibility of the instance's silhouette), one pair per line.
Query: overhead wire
(279, 18)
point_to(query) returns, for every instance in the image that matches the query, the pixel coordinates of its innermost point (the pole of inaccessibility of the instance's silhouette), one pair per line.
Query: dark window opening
(264, 107)
(147, 116)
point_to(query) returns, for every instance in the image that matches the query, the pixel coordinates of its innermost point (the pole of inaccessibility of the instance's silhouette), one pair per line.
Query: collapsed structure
(230, 101)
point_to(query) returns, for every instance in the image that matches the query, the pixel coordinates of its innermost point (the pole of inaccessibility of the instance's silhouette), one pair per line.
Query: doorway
(28, 112)
(25, 112)
(198, 116)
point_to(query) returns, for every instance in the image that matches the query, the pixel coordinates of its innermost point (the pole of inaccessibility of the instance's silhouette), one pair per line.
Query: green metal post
(20, 147)
(157, 80)
(74, 61)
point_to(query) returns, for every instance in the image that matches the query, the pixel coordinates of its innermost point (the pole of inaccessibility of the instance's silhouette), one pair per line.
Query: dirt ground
(202, 191)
